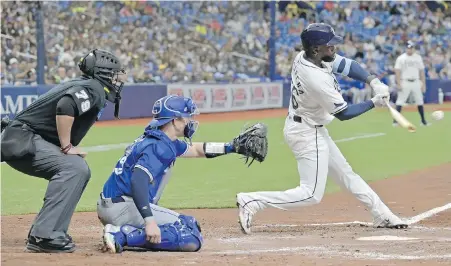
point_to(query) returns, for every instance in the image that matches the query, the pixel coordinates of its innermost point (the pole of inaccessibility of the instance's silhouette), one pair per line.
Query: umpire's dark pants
(68, 176)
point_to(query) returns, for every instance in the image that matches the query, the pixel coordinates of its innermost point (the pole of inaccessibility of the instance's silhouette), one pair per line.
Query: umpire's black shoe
(60, 244)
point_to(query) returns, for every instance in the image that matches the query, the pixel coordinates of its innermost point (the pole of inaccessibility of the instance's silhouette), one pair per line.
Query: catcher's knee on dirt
(184, 236)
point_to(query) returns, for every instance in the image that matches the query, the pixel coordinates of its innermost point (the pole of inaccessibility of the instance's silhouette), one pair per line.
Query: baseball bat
(402, 121)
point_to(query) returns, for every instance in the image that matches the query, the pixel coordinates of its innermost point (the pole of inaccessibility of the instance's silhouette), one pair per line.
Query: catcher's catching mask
(190, 129)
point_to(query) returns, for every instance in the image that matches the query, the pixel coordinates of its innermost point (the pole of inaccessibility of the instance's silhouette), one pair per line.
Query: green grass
(197, 183)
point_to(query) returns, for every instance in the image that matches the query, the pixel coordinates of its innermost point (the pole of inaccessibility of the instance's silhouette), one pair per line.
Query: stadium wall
(137, 100)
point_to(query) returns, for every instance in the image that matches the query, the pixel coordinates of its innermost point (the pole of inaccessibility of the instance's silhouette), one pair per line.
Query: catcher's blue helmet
(320, 34)
(172, 107)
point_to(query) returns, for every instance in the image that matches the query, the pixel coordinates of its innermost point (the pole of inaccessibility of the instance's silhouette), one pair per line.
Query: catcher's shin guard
(183, 236)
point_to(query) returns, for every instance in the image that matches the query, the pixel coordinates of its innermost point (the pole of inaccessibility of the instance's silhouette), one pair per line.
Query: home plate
(386, 238)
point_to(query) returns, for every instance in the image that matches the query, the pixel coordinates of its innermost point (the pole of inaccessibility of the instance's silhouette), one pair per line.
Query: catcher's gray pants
(122, 213)
(68, 176)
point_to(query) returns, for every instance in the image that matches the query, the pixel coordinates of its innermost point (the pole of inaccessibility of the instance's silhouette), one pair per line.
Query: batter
(316, 100)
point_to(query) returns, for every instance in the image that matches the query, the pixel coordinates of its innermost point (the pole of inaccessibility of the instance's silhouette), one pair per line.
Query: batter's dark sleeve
(354, 110)
(140, 192)
(67, 106)
(84, 98)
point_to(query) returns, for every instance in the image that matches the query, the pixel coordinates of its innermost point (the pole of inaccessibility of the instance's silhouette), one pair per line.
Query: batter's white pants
(408, 87)
(317, 157)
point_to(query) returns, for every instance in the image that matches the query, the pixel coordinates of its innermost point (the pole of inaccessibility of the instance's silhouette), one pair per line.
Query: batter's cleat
(60, 244)
(111, 241)
(393, 222)
(245, 216)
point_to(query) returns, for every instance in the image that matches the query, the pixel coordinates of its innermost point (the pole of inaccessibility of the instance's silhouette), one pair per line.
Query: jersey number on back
(118, 170)
(295, 92)
(85, 105)
(120, 166)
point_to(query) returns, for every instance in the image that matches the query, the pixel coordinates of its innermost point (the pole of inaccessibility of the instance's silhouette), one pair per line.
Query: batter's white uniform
(316, 98)
(410, 67)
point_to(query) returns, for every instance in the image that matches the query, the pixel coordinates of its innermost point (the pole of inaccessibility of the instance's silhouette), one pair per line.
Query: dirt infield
(303, 237)
(319, 235)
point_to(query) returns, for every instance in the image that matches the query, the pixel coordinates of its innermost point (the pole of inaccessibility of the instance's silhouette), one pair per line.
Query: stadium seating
(216, 41)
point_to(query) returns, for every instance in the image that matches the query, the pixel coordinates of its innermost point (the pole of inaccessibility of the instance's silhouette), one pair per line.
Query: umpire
(41, 141)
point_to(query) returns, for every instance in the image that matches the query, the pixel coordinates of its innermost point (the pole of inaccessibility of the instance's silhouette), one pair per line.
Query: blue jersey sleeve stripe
(145, 170)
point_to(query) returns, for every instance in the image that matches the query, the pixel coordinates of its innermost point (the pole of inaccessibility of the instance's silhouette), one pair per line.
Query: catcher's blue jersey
(154, 153)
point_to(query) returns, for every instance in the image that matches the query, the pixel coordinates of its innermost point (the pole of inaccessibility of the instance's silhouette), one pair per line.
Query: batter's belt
(298, 119)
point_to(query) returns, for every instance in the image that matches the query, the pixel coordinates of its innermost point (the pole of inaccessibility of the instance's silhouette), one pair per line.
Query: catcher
(128, 206)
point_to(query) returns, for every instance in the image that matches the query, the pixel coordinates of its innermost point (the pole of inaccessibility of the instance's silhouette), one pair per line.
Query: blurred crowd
(215, 41)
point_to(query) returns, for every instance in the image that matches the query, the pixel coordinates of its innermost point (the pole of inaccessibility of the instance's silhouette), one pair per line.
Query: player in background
(128, 204)
(410, 79)
(41, 141)
(315, 102)
(359, 91)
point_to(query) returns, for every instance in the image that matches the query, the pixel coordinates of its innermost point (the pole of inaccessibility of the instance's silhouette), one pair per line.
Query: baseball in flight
(438, 115)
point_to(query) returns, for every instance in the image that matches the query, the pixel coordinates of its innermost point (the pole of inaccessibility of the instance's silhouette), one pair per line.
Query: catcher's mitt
(252, 143)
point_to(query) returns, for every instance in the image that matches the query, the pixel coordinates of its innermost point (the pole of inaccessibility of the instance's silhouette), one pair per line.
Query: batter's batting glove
(252, 143)
(379, 87)
(379, 99)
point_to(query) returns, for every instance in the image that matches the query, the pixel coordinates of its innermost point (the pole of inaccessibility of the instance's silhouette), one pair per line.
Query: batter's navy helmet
(319, 34)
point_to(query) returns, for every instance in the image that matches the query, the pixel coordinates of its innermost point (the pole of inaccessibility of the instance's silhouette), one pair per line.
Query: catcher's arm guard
(252, 143)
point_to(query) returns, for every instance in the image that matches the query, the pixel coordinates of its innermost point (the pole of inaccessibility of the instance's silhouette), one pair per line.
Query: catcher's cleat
(393, 222)
(110, 243)
(245, 216)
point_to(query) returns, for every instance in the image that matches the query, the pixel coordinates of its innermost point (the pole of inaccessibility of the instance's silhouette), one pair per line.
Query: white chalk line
(247, 239)
(100, 148)
(412, 220)
(319, 250)
(341, 223)
(365, 136)
(108, 147)
(409, 221)
(427, 214)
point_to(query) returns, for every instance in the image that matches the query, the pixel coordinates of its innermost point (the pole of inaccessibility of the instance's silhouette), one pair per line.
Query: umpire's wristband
(215, 149)
(66, 149)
